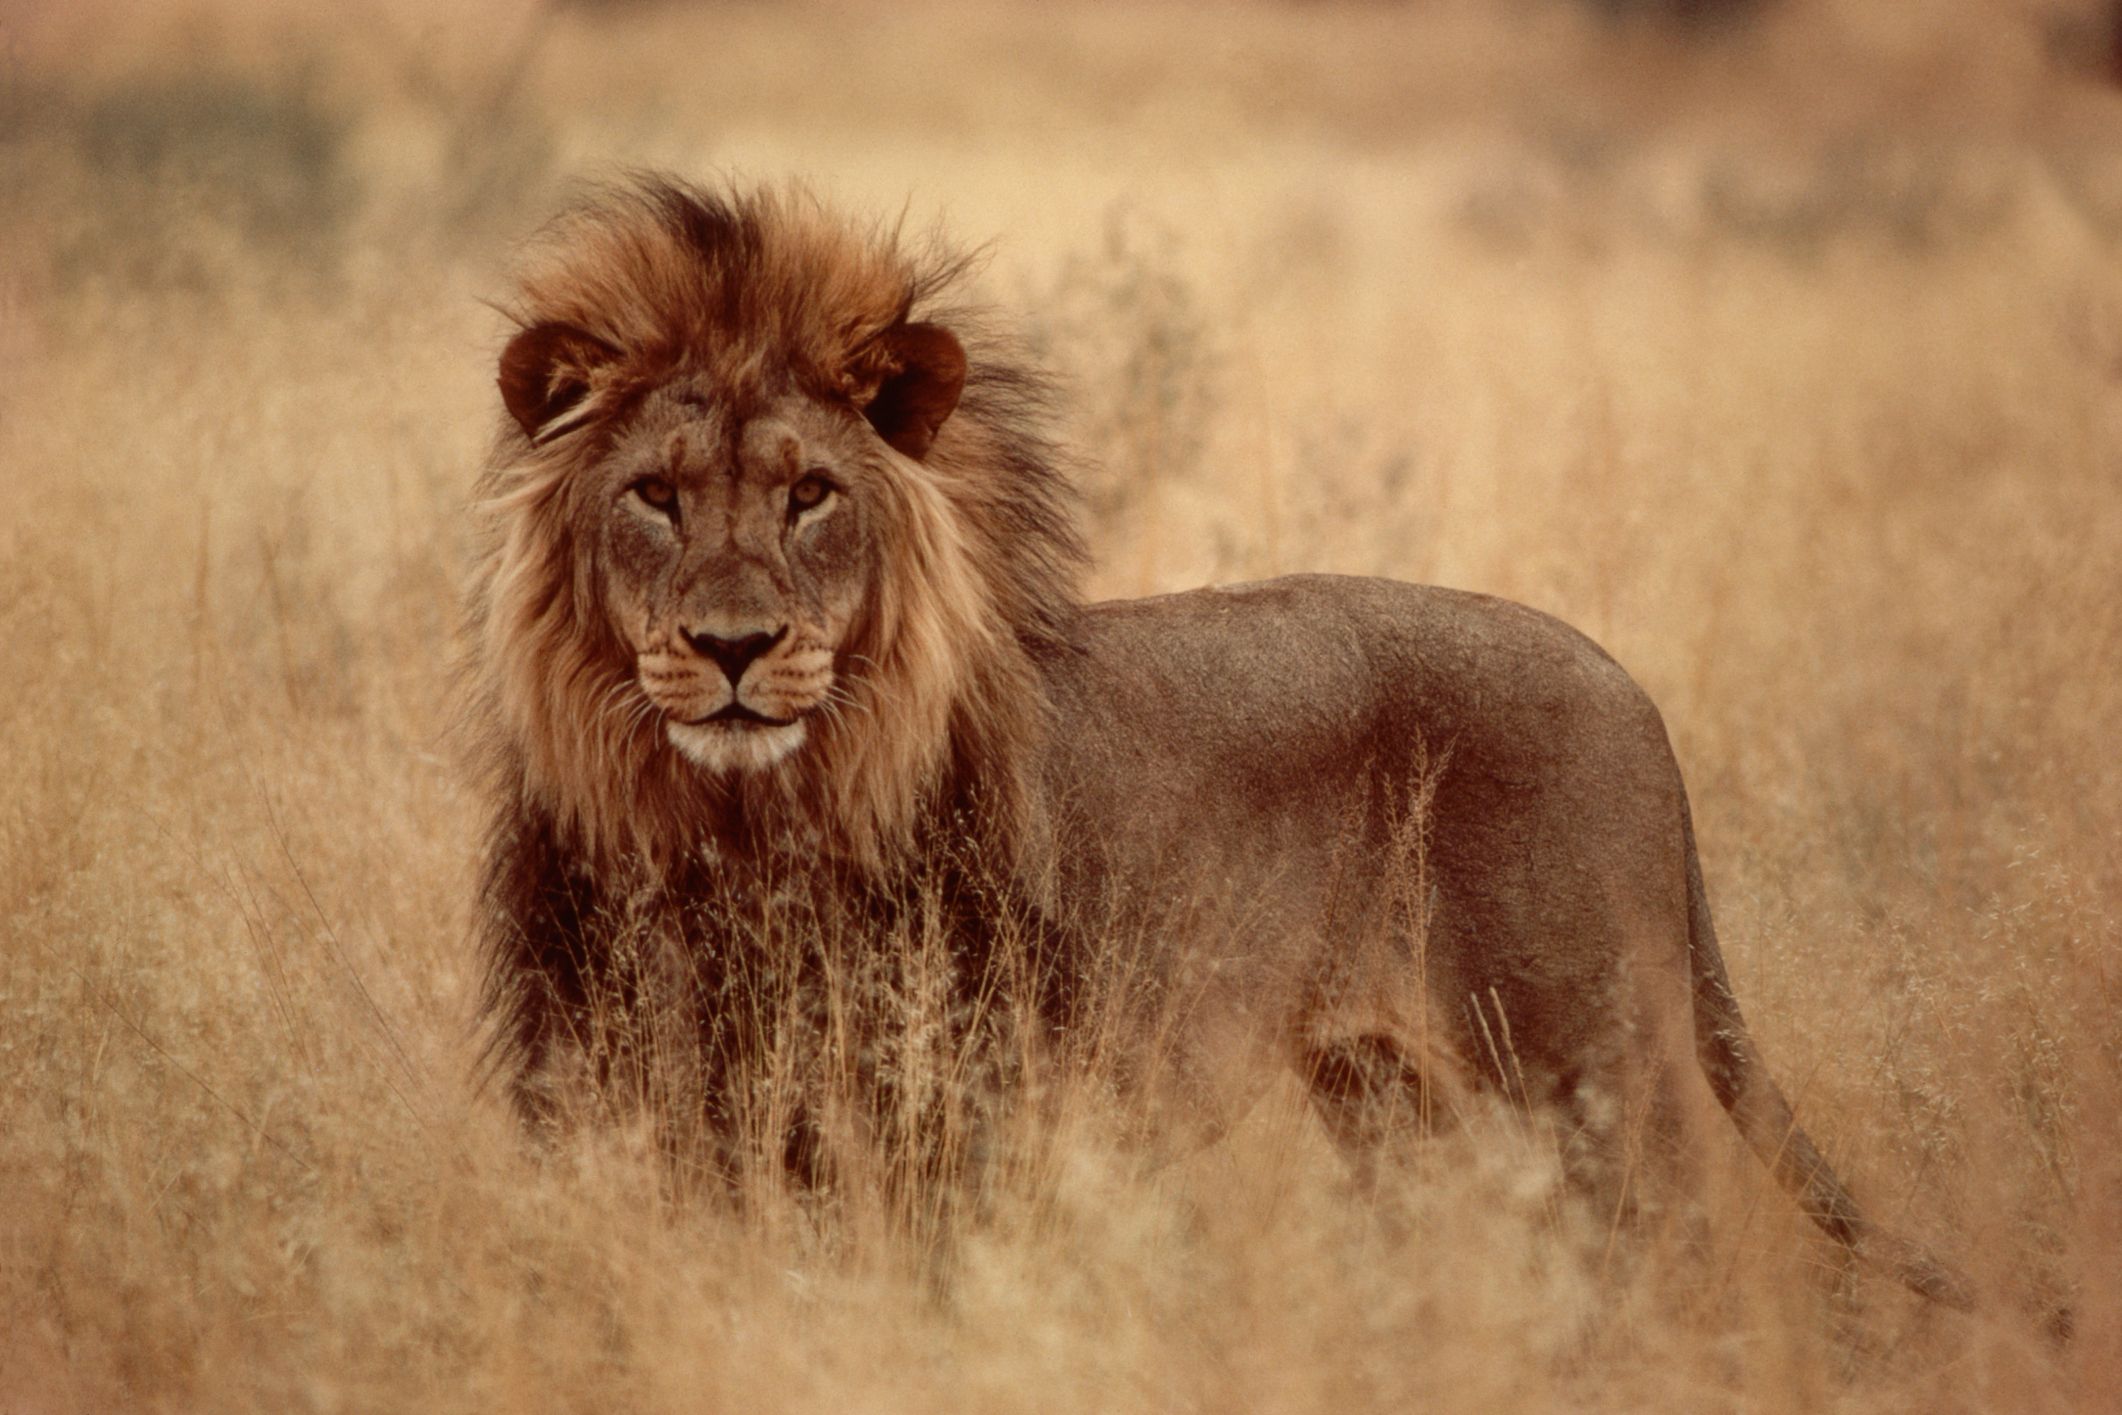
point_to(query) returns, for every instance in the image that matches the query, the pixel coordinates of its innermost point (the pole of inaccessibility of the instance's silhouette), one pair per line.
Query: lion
(777, 645)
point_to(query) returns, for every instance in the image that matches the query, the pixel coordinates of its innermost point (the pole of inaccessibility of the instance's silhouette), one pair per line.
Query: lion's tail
(1757, 1105)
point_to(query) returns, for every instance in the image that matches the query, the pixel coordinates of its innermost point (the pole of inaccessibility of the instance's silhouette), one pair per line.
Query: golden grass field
(1786, 361)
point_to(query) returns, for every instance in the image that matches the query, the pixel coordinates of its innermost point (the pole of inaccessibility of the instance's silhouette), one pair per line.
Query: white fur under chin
(725, 747)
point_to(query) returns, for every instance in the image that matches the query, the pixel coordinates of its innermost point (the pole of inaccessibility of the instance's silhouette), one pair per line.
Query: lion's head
(770, 535)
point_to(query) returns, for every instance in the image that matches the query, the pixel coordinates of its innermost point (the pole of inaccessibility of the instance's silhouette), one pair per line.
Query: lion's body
(1291, 789)
(778, 650)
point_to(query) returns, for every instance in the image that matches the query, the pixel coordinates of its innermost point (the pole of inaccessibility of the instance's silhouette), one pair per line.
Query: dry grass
(1812, 419)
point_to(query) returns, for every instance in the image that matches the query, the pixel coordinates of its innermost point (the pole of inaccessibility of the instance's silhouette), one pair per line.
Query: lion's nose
(733, 656)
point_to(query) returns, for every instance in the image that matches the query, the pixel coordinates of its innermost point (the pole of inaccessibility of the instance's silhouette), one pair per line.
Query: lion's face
(733, 534)
(735, 561)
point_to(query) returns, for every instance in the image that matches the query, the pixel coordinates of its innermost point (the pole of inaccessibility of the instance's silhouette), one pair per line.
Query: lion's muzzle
(736, 700)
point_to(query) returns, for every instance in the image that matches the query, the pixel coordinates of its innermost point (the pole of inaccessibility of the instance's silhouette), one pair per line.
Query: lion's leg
(1373, 1097)
(1629, 1136)
(1621, 1134)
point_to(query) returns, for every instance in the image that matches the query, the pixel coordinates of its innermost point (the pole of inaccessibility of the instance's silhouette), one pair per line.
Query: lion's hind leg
(1392, 1106)
(1379, 1098)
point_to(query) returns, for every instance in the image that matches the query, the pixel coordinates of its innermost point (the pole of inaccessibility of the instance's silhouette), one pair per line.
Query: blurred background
(1774, 343)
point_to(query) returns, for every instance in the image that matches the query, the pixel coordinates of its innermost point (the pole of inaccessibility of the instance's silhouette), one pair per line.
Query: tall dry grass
(1784, 363)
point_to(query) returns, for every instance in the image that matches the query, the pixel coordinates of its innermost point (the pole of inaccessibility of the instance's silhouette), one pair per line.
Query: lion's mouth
(736, 739)
(737, 713)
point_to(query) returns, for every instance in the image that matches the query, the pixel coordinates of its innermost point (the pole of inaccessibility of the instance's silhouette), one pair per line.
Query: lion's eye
(657, 493)
(810, 491)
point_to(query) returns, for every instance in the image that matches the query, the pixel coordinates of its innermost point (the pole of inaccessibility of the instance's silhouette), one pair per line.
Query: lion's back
(1266, 686)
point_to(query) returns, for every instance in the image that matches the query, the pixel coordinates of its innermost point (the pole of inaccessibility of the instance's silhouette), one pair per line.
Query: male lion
(779, 655)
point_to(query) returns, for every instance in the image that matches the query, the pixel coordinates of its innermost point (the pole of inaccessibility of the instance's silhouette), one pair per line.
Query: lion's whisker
(841, 696)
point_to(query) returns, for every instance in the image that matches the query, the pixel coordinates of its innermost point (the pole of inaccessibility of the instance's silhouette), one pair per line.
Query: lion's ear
(919, 371)
(548, 369)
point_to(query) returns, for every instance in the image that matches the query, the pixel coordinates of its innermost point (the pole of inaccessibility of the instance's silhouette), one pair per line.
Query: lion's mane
(765, 292)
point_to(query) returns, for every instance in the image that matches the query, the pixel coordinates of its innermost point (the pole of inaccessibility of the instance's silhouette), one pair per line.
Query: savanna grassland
(1785, 359)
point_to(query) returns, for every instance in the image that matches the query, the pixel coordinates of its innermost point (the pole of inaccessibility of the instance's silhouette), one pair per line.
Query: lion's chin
(730, 747)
